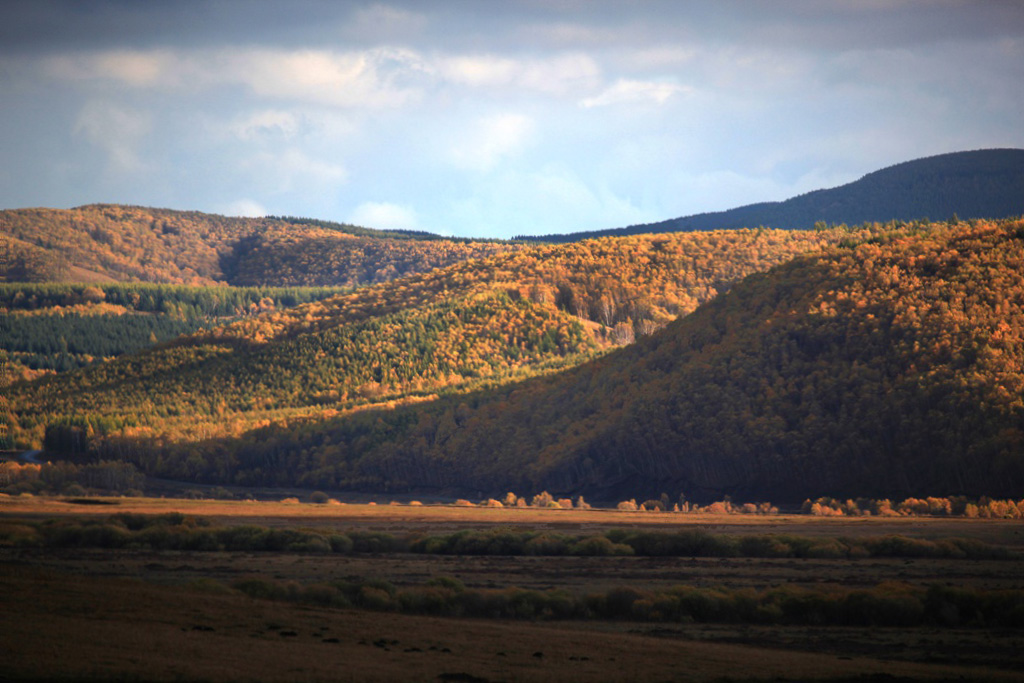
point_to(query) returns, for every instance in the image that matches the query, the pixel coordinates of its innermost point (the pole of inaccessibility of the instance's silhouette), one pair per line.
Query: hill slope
(52, 327)
(892, 368)
(110, 243)
(476, 323)
(978, 184)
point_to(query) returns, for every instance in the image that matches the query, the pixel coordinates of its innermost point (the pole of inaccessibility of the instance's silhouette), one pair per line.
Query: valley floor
(143, 614)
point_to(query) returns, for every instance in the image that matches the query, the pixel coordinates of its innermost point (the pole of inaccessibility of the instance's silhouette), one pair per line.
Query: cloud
(384, 23)
(350, 79)
(625, 91)
(269, 122)
(384, 216)
(551, 199)
(137, 68)
(558, 74)
(657, 57)
(481, 70)
(729, 188)
(293, 171)
(531, 116)
(563, 33)
(493, 139)
(115, 129)
(380, 77)
(246, 208)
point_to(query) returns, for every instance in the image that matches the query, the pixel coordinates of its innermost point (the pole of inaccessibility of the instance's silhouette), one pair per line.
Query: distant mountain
(979, 184)
(886, 369)
(113, 243)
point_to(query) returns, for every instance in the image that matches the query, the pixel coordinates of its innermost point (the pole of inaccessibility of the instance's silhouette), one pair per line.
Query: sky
(491, 119)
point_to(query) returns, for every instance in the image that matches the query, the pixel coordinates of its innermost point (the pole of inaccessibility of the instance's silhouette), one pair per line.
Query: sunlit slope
(477, 323)
(112, 243)
(891, 368)
(636, 284)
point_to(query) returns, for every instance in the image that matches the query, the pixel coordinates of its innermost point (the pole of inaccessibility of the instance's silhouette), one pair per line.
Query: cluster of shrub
(114, 476)
(953, 506)
(661, 504)
(176, 531)
(887, 604)
(720, 507)
(540, 500)
(67, 478)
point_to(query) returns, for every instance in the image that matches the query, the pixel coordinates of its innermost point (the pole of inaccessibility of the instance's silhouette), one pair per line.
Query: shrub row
(176, 531)
(506, 541)
(887, 604)
(121, 477)
(71, 479)
(953, 506)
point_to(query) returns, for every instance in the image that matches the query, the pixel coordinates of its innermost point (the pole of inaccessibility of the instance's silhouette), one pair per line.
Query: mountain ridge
(985, 183)
(125, 243)
(118, 243)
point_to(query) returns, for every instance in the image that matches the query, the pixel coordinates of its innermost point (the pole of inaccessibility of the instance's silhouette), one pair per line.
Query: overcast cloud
(491, 119)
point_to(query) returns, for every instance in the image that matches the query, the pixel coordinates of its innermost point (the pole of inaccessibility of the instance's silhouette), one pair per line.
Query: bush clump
(175, 531)
(889, 604)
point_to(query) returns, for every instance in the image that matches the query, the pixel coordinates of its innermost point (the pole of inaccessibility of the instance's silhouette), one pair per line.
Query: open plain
(138, 613)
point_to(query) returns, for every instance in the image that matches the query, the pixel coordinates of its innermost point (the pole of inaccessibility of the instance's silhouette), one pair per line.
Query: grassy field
(403, 518)
(136, 613)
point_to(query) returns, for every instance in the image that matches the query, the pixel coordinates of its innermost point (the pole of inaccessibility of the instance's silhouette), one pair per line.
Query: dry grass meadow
(143, 614)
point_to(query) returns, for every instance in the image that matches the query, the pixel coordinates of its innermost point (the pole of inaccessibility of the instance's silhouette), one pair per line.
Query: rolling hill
(111, 243)
(477, 323)
(880, 360)
(977, 184)
(889, 368)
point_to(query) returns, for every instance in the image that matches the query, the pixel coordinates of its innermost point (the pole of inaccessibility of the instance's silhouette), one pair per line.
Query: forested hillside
(58, 327)
(110, 243)
(474, 324)
(979, 184)
(887, 368)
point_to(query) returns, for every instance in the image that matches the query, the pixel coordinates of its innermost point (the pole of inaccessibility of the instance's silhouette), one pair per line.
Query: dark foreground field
(138, 613)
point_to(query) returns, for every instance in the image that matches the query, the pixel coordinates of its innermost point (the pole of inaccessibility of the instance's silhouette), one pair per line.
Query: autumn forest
(883, 359)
